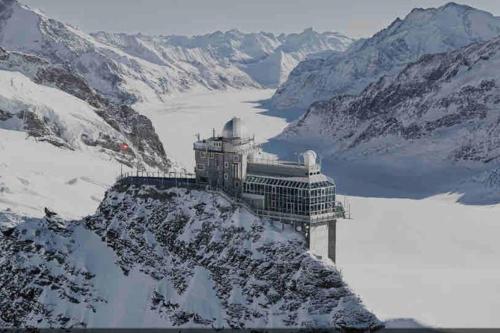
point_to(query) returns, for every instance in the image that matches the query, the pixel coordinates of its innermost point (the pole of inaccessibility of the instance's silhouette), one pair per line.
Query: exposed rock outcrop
(168, 258)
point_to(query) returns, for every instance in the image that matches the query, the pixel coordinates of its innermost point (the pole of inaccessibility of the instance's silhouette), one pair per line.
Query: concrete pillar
(322, 239)
(332, 239)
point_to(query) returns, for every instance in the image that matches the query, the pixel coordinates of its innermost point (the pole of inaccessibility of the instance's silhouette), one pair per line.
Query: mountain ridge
(443, 107)
(139, 68)
(422, 31)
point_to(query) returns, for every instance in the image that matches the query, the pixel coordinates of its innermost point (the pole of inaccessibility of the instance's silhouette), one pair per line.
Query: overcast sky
(356, 18)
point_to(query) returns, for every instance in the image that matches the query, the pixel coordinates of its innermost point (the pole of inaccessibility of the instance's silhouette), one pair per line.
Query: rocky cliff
(167, 258)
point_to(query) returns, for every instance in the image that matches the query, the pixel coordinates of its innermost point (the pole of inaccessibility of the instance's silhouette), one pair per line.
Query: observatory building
(294, 193)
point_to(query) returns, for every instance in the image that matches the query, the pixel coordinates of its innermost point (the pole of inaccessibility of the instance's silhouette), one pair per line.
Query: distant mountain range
(229, 58)
(423, 31)
(131, 68)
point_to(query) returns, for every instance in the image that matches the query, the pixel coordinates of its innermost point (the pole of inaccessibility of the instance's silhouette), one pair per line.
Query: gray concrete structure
(294, 193)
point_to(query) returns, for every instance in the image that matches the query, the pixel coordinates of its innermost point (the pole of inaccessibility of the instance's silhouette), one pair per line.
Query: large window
(293, 197)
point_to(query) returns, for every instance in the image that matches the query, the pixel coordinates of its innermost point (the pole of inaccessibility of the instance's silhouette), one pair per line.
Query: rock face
(48, 120)
(138, 68)
(423, 31)
(444, 106)
(167, 258)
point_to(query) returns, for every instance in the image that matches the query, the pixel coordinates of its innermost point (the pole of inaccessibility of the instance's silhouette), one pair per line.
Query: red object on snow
(124, 146)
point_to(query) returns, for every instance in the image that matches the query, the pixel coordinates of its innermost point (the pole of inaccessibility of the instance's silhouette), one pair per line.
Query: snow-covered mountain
(423, 31)
(54, 105)
(167, 258)
(266, 58)
(60, 140)
(444, 107)
(138, 68)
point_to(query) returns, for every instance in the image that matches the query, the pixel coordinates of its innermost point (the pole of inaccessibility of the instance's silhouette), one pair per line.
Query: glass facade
(292, 196)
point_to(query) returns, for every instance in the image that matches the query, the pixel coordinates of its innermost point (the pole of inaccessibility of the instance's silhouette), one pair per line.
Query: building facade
(294, 193)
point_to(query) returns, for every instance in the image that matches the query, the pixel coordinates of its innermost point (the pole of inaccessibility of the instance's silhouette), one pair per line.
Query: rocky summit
(167, 258)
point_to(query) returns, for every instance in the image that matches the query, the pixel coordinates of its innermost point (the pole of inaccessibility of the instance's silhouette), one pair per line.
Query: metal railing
(157, 174)
(148, 179)
(311, 219)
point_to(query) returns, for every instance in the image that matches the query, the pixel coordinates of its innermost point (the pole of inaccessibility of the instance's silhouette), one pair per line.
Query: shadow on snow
(409, 178)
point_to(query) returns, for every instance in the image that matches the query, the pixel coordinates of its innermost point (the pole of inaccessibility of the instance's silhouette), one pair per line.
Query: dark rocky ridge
(170, 236)
(450, 98)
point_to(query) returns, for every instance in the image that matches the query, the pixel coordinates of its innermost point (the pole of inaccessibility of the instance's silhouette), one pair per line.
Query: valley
(407, 125)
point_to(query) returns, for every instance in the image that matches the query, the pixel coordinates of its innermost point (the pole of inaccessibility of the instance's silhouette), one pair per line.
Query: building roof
(313, 181)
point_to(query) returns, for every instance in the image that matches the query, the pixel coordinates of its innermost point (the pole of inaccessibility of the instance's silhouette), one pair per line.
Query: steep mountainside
(423, 31)
(57, 106)
(139, 68)
(444, 106)
(151, 258)
(266, 58)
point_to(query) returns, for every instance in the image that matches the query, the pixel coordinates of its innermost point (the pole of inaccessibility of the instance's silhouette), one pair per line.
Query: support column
(322, 239)
(332, 239)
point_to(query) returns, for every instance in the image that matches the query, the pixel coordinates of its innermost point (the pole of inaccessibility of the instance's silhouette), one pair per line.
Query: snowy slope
(423, 31)
(34, 175)
(266, 58)
(59, 137)
(52, 115)
(52, 145)
(180, 258)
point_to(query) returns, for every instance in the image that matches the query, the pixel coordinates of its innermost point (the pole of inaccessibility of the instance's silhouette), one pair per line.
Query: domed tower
(234, 129)
(309, 159)
(221, 161)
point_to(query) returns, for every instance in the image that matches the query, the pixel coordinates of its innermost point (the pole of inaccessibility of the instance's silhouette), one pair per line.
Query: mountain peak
(447, 8)
(454, 5)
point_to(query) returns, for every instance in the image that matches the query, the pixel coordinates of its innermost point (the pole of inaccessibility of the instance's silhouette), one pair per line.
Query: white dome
(234, 129)
(309, 158)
